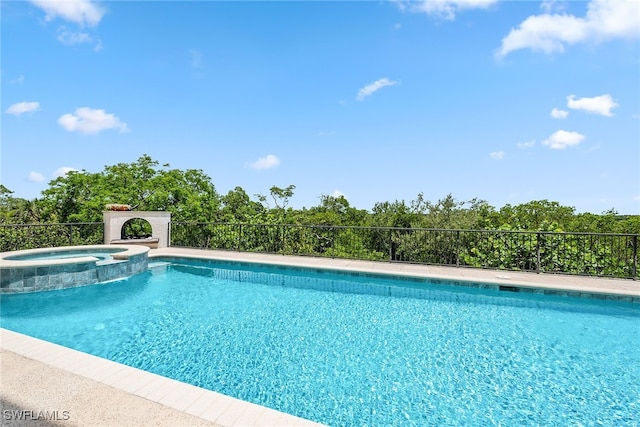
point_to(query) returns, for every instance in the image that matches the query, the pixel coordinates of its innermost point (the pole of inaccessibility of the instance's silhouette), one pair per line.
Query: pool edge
(211, 407)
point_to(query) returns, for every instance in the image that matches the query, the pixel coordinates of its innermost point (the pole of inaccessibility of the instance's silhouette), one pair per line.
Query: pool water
(432, 355)
(104, 254)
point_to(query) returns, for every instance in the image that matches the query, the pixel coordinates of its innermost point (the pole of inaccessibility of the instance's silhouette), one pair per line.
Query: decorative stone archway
(159, 221)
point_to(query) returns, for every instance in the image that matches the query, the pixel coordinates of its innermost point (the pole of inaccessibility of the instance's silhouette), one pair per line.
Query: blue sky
(505, 101)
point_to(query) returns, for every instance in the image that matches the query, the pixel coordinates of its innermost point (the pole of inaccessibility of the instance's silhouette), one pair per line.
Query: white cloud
(70, 38)
(23, 107)
(548, 5)
(374, 87)
(497, 155)
(81, 12)
(604, 20)
(446, 9)
(527, 144)
(267, 162)
(63, 171)
(90, 121)
(562, 139)
(35, 177)
(337, 193)
(597, 105)
(559, 114)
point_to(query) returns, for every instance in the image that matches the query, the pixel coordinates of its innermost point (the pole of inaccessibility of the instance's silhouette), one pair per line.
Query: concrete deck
(76, 389)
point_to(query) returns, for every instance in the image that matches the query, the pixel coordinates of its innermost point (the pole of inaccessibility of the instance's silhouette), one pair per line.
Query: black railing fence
(29, 236)
(593, 254)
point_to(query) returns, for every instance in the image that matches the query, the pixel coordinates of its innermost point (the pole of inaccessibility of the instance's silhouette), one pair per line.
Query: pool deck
(72, 388)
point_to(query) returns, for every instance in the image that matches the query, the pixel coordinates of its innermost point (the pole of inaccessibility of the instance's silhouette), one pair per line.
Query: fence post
(457, 248)
(634, 269)
(284, 239)
(70, 234)
(390, 245)
(333, 242)
(538, 253)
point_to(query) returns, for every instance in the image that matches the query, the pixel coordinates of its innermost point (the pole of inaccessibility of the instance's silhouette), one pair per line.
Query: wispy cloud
(497, 155)
(602, 104)
(337, 193)
(35, 177)
(23, 107)
(374, 87)
(559, 114)
(196, 58)
(81, 12)
(552, 5)
(70, 38)
(63, 171)
(562, 139)
(267, 162)
(444, 9)
(327, 133)
(91, 121)
(527, 144)
(548, 33)
(17, 81)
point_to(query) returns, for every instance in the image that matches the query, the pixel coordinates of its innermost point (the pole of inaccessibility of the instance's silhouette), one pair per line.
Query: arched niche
(159, 221)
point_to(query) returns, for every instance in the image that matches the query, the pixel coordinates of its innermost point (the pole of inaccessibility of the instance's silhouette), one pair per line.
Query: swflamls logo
(24, 415)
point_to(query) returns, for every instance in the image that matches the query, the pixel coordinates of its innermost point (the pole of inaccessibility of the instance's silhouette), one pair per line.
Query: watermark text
(28, 415)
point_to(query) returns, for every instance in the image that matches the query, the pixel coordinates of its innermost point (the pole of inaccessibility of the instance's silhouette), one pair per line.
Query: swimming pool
(339, 349)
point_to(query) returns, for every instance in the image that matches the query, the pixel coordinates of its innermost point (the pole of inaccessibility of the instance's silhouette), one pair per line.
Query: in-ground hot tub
(44, 269)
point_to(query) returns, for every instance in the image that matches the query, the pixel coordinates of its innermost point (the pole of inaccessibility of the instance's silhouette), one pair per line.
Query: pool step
(158, 267)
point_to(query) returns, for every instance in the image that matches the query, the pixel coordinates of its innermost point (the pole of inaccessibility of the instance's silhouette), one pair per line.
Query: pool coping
(121, 252)
(184, 404)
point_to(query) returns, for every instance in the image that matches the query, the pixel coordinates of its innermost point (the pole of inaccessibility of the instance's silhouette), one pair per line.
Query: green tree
(333, 210)
(279, 213)
(82, 196)
(537, 215)
(237, 207)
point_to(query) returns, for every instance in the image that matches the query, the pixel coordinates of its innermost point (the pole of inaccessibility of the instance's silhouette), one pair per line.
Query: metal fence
(29, 236)
(593, 254)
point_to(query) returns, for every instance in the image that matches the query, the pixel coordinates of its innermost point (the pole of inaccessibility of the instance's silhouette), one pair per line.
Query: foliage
(16, 237)
(81, 196)
(538, 235)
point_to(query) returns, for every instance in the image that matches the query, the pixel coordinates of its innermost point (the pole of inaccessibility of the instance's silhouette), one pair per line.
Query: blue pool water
(338, 349)
(101, 254)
